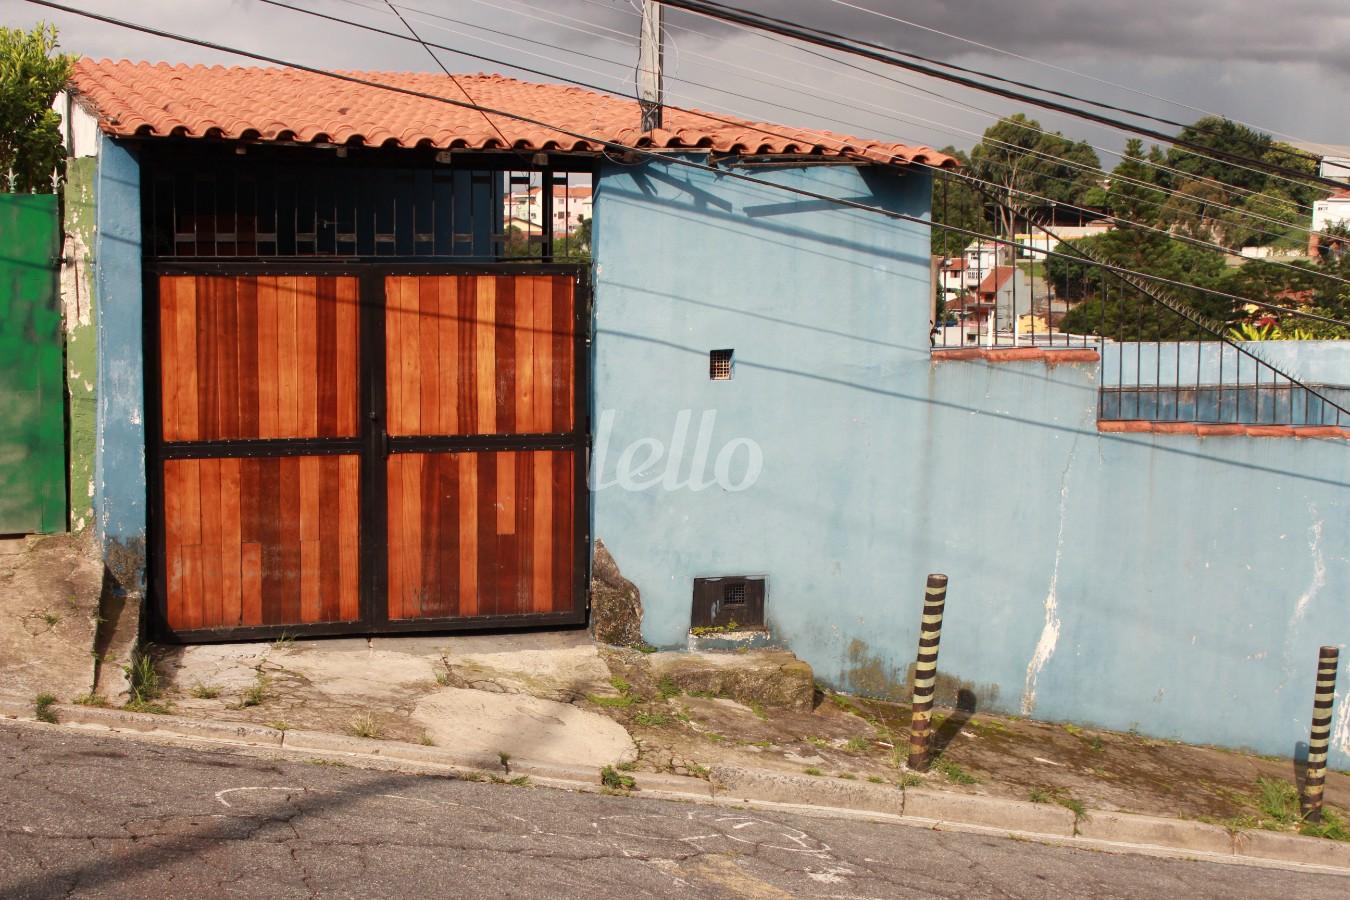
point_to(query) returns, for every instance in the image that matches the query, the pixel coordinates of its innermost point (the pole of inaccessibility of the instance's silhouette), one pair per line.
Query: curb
(941, 810)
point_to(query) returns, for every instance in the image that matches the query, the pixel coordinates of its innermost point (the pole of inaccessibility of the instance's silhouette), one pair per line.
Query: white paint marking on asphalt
(220, 795)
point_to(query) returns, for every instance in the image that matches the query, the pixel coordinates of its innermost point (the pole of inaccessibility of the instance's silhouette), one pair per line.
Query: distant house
(571, 204)
(1333, 160)
(1329, 213)
(987, 313)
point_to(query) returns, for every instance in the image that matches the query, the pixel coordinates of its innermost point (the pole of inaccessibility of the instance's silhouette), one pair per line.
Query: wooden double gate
(394, 450)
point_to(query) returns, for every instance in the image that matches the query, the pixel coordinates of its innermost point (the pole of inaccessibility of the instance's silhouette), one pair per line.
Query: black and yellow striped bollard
(925, 672)
(1316, 778)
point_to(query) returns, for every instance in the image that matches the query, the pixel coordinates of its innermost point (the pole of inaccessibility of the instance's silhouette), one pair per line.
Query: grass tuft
(667, 687)
(909, 779)
(623, 701)
(426, 740)
(848, 776)
(857, 745)
(650, 719)
(876, 779)
(1332, 827)
(255, 695)
(153, 707)
(90, 699)
(955, 774)
(142, 678)
(1040, 795)
(365, 726)
(205, 691)
(812, 770)
(615, 780)
(279, 725)
(42, 708)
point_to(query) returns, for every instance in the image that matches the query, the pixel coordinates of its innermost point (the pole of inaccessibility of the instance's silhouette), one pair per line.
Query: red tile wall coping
(1049, 356)
(1201, 429)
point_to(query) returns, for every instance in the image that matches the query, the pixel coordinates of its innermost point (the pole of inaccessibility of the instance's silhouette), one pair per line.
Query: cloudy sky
(1282, 66)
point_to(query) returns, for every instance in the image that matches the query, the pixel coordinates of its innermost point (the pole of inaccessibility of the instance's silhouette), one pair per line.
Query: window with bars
(719, 364)
(311, 203)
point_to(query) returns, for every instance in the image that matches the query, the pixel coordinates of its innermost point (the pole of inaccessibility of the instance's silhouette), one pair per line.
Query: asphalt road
(111, 817)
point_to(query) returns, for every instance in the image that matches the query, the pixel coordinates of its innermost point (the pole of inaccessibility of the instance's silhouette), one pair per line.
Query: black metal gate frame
(373, 445)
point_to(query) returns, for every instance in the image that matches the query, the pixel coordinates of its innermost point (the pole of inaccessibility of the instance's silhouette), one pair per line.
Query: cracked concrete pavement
(99, 816)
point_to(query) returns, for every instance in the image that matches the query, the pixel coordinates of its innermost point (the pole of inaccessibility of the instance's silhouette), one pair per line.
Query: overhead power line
(1000, 187)
(891, 57)
(837, 99)
(664, 157)
(1293, 151)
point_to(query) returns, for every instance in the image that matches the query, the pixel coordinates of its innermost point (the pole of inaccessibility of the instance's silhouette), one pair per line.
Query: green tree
(956, 203)
(31, 75)
(1022, 159)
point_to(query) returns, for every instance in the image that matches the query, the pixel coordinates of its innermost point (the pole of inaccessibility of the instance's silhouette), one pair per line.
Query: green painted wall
(32, 407)
(77, 300)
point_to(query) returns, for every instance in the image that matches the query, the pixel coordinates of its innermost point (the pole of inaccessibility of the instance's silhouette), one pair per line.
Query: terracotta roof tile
(274, 104)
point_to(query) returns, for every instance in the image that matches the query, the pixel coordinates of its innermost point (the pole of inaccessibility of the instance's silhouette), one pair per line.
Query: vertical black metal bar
(546, 214)
(374, 537)
(155, 564)
(582, 317)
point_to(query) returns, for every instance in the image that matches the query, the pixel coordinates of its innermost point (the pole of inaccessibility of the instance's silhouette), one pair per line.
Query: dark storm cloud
(1281, 64)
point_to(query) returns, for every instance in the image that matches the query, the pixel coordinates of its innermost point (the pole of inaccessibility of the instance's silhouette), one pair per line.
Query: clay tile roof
(271, 104)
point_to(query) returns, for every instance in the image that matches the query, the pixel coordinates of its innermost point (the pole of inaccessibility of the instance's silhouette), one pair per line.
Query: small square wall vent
(719, 364)
(731, 599)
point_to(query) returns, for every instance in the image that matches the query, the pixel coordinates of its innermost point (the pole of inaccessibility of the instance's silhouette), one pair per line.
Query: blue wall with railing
(1178, 585)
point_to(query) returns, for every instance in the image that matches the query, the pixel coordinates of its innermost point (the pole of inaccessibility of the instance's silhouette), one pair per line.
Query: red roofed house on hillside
(355, 353)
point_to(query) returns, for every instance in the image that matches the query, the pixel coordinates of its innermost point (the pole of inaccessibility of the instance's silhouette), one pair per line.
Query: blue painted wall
(1177, 585)
(119, 462)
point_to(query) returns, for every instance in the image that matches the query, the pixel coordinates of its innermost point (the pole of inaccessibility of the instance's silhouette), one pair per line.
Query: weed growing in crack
(630, 766)
(1074, 806)
(279, 725)
(848, 776)
(443, 677)
(625, 699)
(909, 779)
(142, 677)
(520, 781)
(667, 687)
(876, 779)
(52, 619)
(1040, 795)
(955, 774)
(153, 707)
(699, 771)
(505, 759)
(1332, 827)
(283, 641)
(90, 699)
(758, 709)
(255, 695)
(365, 726)
(425, 740)
(337, 764)
(650, 719)
(857, 745)
(42, 708)
(615, 780)
(204, 691)
(812, 770)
